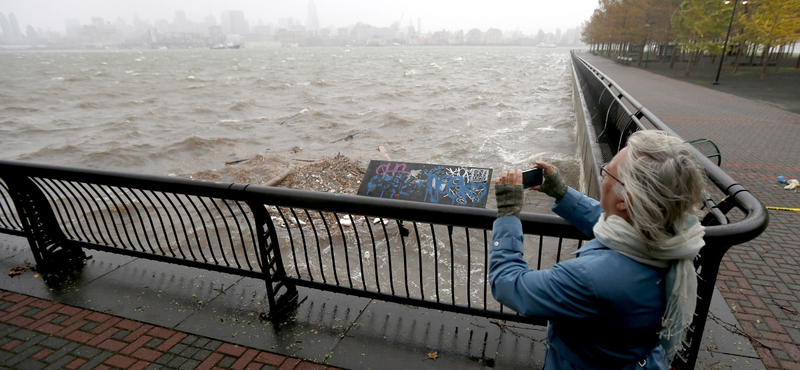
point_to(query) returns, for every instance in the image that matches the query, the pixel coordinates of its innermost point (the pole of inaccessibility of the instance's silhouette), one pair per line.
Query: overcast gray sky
(526, 15)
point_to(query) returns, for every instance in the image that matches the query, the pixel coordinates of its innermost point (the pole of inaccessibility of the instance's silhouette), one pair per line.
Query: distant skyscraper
(73, 28)
(180, 23)
(98, 22)
(6, 28)
(312, 24)
(32, 37)
(233, 22)
(16, 35)
(286, 24)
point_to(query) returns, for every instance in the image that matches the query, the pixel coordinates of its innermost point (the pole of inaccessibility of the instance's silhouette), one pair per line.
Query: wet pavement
(334, 329)
(124, 312)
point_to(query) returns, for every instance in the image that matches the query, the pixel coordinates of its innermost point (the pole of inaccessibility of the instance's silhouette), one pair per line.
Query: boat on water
(226, 46)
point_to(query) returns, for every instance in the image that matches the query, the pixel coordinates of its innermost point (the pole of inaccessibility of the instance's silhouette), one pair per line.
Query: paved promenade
(41, 334)
(759, 280)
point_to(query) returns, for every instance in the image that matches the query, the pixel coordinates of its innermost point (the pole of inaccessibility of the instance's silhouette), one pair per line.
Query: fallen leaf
(17, 271)
(433, 355)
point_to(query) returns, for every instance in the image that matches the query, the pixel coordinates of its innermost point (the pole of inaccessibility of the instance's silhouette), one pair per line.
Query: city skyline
(506, 15)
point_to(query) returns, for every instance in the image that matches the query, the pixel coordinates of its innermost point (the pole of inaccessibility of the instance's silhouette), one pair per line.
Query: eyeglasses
(604, 171)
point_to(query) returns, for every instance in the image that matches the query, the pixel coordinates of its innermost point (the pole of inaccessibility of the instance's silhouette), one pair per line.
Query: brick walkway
(40, 334)
(760, 280)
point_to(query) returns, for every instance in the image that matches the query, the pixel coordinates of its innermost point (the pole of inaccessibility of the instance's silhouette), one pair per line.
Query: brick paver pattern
(40, 334)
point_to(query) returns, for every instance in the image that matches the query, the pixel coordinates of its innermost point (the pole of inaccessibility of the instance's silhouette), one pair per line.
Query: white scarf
(681, 281)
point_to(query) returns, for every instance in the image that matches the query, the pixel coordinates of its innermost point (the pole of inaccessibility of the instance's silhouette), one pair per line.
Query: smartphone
(531, 178)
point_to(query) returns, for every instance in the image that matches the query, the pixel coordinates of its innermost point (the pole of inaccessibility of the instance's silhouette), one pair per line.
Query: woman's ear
(621, 206)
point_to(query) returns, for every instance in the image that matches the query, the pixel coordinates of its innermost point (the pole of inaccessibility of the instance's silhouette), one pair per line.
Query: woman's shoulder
(603, 264)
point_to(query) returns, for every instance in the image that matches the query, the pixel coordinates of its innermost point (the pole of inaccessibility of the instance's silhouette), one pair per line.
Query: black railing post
(708, 263)
(281, 293)
(51, 250)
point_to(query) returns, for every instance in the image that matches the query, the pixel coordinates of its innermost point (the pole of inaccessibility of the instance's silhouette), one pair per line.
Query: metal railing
(422, 254)
(609, 115)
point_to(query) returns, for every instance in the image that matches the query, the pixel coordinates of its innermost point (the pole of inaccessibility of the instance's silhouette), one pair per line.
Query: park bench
(624, 60)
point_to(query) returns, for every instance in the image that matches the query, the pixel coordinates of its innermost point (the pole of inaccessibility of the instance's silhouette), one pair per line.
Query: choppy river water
(181, 111)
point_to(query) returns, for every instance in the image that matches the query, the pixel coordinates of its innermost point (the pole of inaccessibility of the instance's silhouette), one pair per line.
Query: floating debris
(338, 174)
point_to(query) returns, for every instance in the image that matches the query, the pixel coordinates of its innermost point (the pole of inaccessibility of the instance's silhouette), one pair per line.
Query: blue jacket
(604, 309)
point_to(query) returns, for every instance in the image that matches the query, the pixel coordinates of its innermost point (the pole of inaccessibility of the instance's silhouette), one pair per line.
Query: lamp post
(647, 40)
(725, 45)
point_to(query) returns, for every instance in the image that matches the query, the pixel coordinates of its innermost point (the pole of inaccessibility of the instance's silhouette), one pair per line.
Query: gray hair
(664, 182)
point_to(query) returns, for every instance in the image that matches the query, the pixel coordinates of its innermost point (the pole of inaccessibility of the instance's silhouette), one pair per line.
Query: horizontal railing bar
(21, 233)
(169, 259)
(167, 184)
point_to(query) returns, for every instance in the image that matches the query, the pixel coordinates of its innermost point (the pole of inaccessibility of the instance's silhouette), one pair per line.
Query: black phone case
(531, 178)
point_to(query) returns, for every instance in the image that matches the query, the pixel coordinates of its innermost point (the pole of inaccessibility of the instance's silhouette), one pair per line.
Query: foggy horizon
(508, 16)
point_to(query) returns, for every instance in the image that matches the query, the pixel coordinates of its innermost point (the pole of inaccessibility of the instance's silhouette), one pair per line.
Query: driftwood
(237, 161)
(277, 179)
(383, 150)
(348, 137)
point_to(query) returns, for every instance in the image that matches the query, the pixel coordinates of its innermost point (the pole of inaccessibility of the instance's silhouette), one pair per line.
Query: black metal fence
(421, 254)
(609, 116)
(415, 253)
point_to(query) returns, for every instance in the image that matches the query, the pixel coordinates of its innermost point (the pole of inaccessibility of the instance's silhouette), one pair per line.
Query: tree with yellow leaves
(697, 26)
(774, 25)
(617, 25)
(700, 27)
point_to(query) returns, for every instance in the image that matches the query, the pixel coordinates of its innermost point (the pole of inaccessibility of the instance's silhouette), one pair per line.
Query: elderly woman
(627, 301)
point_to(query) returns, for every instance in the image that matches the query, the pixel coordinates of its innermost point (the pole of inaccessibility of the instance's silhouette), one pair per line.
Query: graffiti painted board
(423, 182)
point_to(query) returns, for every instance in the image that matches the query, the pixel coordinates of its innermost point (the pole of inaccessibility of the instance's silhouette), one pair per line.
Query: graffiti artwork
(432, 183)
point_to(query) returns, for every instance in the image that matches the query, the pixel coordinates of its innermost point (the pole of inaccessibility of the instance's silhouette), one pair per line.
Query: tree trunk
(698, 56)
(764, 61)
(778, 59)
(675, 49)
(769, 40)
(689, 64)
(736, 62)
(797, 66)
(641, 54)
